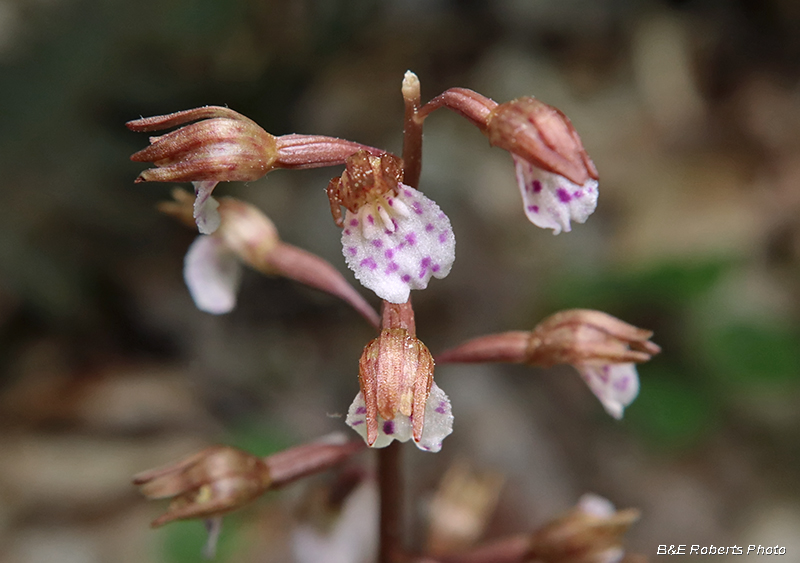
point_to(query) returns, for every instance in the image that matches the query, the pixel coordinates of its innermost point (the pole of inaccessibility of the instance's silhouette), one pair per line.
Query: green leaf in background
(672, 410)
(183, 541)
(258, 438)
(666, 284)
(754, 355)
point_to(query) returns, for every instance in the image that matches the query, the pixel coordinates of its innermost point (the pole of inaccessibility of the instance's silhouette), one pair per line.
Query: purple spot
(441, 216)
(371, 219)
(406, 278)
(577, 193)
(417, 207)
(389, 253)
(604, 374)
(354, 222)
(393, 267)
(357, 422)
(352, 250)
(388, 427)
(377, 243)
(563, 195)
(429, 227)
(533, 208)
(622, 384)
(387, 232)
(390, 201)
(425, 262)
(347, 231)
(361, 410)
(537, 186)
(411, 239)
(400, 246)
(441, 408)
(442, 237)
(408, 193)
(394, 223)
(435, 268)
(369, 263)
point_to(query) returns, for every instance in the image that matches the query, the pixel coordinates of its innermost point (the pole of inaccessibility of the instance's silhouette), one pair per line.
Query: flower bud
(212, 482)
(398, 398)
(590, 533)
(222, 145)
(543, 136)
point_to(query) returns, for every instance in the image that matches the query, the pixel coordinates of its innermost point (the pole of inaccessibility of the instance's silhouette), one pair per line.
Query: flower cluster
(394, 239)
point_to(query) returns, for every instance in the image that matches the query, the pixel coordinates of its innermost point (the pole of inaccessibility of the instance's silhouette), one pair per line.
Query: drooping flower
(602, 348)
(398, 398)
(393, 237)
(557, 179)
(213, 264)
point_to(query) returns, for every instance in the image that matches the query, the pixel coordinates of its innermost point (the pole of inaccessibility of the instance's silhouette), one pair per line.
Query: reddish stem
(463, 101)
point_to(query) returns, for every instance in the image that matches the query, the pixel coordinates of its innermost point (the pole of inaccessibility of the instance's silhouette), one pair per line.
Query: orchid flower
(394, 238)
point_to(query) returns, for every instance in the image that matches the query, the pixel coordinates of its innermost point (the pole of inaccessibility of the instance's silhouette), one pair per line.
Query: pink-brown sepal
(543, 136)
(214, 481)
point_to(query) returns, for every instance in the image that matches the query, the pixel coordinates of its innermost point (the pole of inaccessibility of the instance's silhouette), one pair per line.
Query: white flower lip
(205, 207)
(395, 244)
(212, 273)
(616, 385)
(551, 201)
(438, 422)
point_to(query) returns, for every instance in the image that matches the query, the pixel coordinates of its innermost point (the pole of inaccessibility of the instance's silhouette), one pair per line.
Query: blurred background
(691, 112)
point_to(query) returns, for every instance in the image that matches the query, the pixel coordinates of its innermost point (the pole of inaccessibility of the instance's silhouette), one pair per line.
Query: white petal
(205, 207)
(212, 272)
(438, 422)
(616, 385)
(419, 243)
(351, 536)
(550, 200)
(213, 527)
(595, 505)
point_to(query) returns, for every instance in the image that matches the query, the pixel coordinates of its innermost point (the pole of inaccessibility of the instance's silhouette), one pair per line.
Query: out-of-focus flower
(213, 264)
(398, 398)
(462, 508)
(393, 237)
(223, 146)
(220, 479)
(591, 533)
(556, 178)
(601, 347)
(207, 484)
(338, 523)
